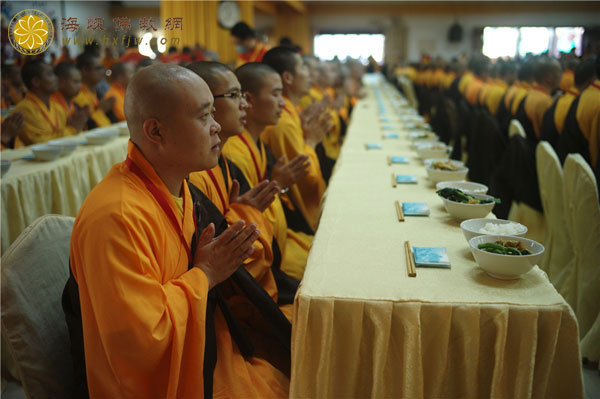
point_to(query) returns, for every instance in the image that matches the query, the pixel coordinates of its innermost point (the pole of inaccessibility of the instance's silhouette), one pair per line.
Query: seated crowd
(205, 227)
(472, 105)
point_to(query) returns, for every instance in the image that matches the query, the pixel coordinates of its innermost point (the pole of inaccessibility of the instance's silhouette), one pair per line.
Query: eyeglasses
(234, 95)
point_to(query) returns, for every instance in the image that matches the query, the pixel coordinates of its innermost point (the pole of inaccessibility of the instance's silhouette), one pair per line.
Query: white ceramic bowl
(465, 186)
(433, 150)
(471, 227)
(100, 137)
(469, 211)
(123, 129)
(437, 175)
(5, 166)
(68, 145)
(505, 267)
(46, 152)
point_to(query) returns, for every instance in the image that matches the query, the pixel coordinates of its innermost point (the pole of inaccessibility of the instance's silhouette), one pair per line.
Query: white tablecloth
(31, 189)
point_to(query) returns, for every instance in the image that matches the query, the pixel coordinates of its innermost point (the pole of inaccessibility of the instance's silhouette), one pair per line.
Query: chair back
(515, 128)
(558, 260)
(35, 269)
(583, 210)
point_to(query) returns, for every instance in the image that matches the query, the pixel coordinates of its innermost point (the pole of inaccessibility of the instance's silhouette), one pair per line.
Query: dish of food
(505, 229)
(456, 195)
(444, 165)
(508, 247)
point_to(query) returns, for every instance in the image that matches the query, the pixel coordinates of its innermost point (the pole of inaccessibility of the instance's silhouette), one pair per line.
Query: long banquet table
(363, 328)
(31, 189)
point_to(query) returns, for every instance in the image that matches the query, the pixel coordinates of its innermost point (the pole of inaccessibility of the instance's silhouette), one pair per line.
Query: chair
(583, 215)
(515, 127)
(558, 260)
(35, 269)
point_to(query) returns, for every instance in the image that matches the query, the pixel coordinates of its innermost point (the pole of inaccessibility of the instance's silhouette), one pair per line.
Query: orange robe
(331, 141)
(588, 119)
(256, 55)
(259, 264)
(472, 90)
(562, 108)
(143, 311)
(252, 161)
(118, 92)
(567, 81)
(90, 98)
(464, 81)
(69, 108)
(494, 95)
(518, 96)
(42, 123)
(537, 102)
(287, 138)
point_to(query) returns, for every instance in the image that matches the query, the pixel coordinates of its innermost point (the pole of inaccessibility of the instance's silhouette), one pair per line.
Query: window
(359, 46)
(510, 41)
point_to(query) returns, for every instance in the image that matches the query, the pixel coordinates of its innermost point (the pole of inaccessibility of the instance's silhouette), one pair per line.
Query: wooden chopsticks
(389, 160)
(399, 211)
(394, 180)
(410, 260)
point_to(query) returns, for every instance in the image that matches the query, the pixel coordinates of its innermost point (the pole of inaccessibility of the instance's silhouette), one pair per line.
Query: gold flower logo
(30, 32)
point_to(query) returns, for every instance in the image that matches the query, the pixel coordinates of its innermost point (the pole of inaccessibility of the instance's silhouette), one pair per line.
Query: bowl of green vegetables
(462, 205)
(505, 257)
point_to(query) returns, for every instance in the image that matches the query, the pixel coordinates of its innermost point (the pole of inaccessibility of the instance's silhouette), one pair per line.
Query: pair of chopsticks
(399, 211)
(389, 160)
(394, 183)
(410, 260)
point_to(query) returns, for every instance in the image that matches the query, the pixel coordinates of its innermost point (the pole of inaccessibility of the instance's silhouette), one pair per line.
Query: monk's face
(231, 109)
(191, 137)
(71, 85)
(301, 81)
(47, 81)
(94, 72)
(265, 107)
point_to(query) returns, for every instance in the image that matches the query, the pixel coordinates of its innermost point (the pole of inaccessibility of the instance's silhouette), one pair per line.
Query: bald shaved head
(252, 76)
(153, 93)
(211, 71)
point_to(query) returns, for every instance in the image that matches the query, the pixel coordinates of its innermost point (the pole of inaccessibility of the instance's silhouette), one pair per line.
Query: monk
(554, 119)
(121, 75)
(247, 44)
(13, 89)
(480, 70)
(69, 85)
(12, 126)
(92, 72)
(546, 76)
(581, 130)
(507, 76)
(146, 275)
(44, 118)
(293, 136)
(263, 89)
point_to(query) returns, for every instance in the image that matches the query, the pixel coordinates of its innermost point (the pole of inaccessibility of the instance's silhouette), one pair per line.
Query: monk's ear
(153, 131)
(287, 78)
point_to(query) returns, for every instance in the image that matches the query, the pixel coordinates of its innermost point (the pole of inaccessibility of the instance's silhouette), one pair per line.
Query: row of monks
(538, 91)
(186, 257)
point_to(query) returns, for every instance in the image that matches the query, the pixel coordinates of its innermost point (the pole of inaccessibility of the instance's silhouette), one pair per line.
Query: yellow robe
(472, 90)
(88, 97)
(494, 95)
(537, 102)
(567, 81)
(518, 96)
(287, 138)
(588, 119)
(562, 108)
(41, 123)
(143, 310)
(464, 81)
(294, 245)
(331, 141)
(118, 92)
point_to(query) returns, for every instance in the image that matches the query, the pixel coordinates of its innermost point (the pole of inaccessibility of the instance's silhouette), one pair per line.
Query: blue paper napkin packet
(406, 179)
(398, 159)
(388, 127)
(415, 209)
(374, 146)
(390, 135)
(431, 257)
(385, 120)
